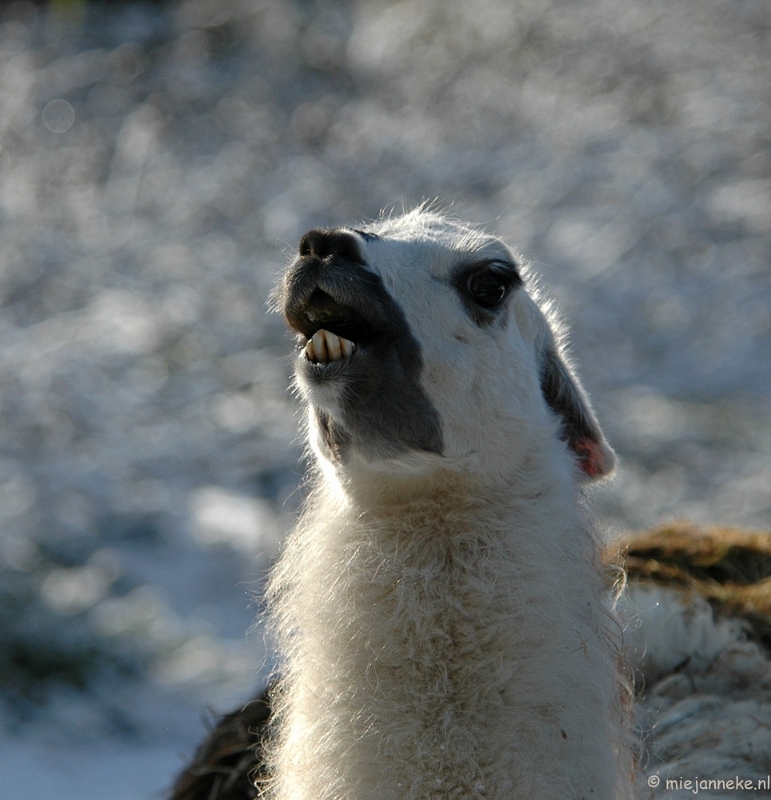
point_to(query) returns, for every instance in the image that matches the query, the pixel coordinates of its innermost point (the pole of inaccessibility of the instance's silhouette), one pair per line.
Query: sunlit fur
(442, 621)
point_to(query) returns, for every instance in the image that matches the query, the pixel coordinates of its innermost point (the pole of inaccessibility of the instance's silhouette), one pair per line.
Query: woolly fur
(442, 620)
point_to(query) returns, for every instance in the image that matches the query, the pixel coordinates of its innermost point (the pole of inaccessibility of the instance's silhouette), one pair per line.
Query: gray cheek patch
(384, 411)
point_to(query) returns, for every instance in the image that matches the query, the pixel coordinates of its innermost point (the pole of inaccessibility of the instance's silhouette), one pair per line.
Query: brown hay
(729, 567)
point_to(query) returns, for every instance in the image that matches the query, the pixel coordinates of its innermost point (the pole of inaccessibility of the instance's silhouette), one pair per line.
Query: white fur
(442, 618)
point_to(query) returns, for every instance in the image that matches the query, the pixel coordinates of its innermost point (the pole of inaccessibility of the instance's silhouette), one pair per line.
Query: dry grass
(729, 567)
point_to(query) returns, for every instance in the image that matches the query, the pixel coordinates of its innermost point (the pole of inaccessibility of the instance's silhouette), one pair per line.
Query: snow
(158, 164)
(73, 773)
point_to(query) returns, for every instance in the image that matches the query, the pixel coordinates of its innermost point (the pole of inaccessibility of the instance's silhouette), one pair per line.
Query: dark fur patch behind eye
(564, 399)
(579, 428)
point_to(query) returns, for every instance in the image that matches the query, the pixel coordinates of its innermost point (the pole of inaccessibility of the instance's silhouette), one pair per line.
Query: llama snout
(358, 364)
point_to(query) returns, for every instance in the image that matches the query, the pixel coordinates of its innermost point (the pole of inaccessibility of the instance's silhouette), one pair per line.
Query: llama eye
(488, 289)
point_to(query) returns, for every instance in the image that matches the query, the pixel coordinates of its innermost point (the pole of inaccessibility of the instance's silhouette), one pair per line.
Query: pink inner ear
(591, 459)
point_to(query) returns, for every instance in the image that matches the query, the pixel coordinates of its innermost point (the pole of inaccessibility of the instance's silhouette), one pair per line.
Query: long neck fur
(451, 645)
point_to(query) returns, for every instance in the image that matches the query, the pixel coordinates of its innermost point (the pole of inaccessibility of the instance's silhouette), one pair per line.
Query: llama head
(423, 346)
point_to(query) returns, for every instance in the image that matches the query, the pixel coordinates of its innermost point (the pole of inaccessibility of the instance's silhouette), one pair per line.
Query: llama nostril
(325, 244)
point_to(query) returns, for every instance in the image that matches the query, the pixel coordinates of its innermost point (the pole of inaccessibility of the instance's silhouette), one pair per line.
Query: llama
(439, 607)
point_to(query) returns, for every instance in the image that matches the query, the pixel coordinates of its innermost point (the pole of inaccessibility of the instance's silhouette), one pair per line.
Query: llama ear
(580, 429)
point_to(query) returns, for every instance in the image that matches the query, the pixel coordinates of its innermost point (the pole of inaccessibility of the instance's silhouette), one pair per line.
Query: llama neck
(446, 646)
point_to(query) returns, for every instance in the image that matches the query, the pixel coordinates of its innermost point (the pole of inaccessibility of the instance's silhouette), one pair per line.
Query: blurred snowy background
(157, 166)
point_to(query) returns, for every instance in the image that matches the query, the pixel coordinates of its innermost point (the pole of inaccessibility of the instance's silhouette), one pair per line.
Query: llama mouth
(322, 311)
(325, 347)
(330, 331)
